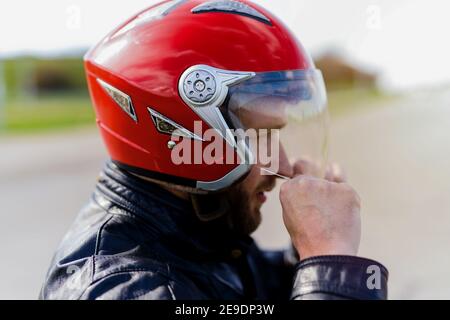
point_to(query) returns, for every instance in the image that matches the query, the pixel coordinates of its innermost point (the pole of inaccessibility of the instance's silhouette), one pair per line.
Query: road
(397, 156)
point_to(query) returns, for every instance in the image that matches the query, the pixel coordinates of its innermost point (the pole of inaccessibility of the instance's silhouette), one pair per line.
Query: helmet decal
(120, 98)
(233, 7)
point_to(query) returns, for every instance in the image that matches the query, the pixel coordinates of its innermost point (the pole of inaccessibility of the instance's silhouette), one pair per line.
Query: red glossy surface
(146, 61)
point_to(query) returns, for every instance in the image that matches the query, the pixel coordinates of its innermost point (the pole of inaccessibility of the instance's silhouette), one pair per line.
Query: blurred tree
(50, 80)
(29, 76)
(339, 74)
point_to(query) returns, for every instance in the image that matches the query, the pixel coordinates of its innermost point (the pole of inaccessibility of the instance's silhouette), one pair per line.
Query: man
(171, 216)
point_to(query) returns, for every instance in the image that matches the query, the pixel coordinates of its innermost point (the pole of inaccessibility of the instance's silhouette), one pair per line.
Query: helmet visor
(283, 116)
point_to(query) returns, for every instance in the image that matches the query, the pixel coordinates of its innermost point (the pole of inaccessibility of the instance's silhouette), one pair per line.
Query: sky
(405, 41)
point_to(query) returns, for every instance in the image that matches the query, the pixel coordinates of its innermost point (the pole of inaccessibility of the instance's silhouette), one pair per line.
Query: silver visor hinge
(204, 89)
(233, 7)
(120, 98)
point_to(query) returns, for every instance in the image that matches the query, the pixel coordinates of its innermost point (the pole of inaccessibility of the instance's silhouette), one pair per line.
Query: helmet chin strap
(181, 191)
(207, 206)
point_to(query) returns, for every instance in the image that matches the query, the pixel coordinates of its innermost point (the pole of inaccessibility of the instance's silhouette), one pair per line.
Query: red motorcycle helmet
(182, 62)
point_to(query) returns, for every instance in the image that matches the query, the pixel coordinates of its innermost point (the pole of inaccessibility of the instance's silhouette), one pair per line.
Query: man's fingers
(335, 173)
(306, 167)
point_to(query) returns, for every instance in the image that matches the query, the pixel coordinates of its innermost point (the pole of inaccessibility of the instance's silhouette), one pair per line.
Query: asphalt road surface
(397, 156)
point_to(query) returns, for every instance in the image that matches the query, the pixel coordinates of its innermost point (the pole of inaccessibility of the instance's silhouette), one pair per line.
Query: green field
(44, 114)
(44, 94)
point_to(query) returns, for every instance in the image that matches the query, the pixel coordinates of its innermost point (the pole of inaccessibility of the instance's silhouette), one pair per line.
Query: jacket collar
(172, 220)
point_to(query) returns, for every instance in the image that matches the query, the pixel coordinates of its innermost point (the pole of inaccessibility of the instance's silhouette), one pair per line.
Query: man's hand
(322, 217)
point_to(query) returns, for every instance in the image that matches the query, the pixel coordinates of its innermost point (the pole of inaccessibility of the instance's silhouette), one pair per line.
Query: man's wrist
(336, 250)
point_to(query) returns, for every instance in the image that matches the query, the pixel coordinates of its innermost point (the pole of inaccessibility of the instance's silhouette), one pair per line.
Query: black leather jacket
(135, 240)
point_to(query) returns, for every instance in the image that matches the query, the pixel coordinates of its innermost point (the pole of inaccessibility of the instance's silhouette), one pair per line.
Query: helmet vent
(166, 126)
(123, 100)
(233, 7)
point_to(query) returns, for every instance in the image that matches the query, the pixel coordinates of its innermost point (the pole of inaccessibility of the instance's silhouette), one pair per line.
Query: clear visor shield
(283, 120)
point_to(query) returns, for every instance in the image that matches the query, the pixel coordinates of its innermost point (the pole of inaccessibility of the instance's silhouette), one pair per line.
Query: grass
(46, 114)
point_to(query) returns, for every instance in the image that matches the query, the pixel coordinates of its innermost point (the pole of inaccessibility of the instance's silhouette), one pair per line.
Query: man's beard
(244, 216)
